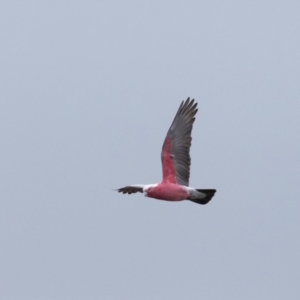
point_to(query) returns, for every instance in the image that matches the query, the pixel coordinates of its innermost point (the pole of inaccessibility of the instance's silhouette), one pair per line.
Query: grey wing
(129, 189)
(176, 147)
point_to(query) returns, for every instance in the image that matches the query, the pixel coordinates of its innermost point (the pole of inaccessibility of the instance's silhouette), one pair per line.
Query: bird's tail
(209, 193)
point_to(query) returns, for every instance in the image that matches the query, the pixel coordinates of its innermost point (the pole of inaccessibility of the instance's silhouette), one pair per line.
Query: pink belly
(168, 191)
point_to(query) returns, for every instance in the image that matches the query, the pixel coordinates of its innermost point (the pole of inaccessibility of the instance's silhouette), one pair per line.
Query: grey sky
(88, 92)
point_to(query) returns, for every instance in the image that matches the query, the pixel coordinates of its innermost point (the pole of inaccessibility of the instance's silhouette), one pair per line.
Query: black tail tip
(209, 194)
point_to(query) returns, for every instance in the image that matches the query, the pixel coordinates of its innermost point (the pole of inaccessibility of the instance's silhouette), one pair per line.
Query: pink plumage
(176, 161)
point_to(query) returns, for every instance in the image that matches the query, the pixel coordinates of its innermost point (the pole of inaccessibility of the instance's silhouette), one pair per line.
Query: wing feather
(175, 154)
(130, 189)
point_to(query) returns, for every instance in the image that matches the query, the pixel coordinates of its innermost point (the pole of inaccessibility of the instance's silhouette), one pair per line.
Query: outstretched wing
(129, 189)
(175, 153)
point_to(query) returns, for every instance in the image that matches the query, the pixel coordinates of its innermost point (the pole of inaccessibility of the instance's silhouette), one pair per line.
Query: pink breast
(168, 191)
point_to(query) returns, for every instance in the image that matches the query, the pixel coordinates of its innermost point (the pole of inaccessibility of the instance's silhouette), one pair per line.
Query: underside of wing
(130, 189)
(175, 154)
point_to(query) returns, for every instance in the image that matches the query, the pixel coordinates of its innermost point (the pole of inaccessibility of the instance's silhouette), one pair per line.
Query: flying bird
(176, 161)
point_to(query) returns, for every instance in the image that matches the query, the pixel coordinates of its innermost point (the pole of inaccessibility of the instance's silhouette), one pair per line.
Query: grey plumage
(130, 189)
(180, 136)
(176, 163)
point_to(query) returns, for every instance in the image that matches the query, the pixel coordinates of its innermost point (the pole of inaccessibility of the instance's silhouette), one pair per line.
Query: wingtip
(189, 100)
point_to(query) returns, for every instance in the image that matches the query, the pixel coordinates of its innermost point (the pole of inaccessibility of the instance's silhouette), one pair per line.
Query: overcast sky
(88, 91)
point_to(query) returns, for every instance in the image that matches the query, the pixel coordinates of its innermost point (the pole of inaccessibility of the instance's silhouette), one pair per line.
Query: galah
(176, 161)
